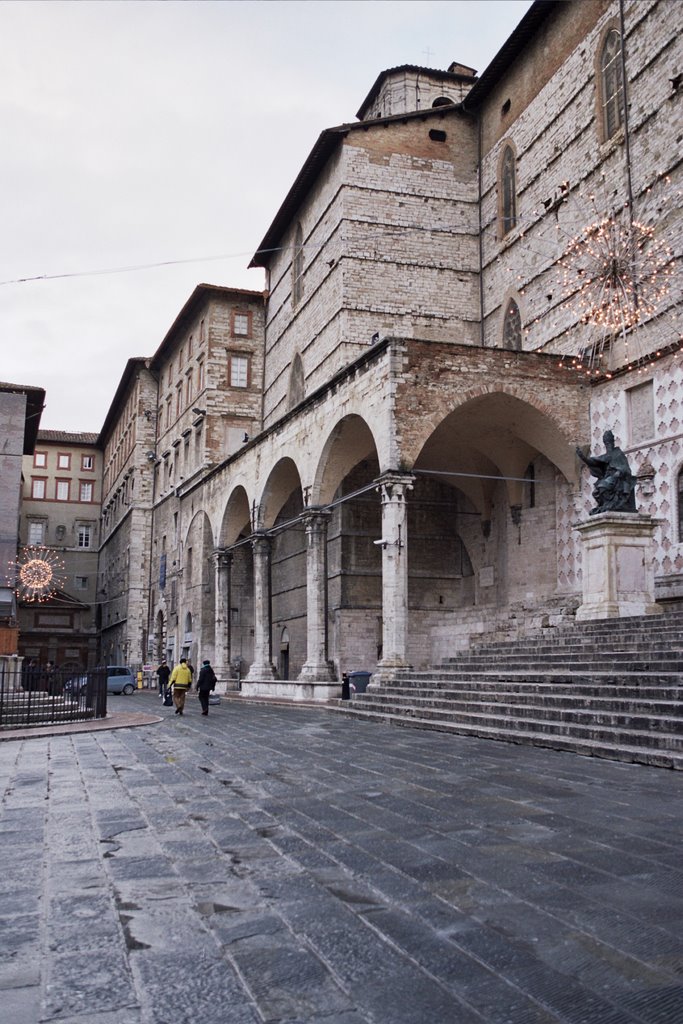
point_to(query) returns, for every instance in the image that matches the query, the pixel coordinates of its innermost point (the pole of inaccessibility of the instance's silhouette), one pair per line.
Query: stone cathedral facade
(373, 461)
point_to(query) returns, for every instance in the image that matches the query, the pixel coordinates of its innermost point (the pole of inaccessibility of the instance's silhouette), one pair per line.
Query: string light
(593, 285)
(36, 573)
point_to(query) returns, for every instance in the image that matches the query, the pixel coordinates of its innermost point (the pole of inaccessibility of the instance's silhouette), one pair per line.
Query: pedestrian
(181, 681)
(205, 684)
(163, 672)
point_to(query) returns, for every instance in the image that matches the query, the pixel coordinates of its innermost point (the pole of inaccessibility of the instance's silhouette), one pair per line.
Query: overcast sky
(141, 132)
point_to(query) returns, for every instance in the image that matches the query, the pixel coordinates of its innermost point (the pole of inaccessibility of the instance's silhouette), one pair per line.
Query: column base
(386, 671)
(323, 672)
(262, 671)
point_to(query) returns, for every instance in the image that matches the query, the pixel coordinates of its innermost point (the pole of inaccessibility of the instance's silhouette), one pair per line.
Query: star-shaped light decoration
(37, 573)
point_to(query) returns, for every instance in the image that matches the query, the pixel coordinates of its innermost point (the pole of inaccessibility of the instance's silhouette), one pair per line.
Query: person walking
(205, 684)
(163, 673)
(181, 681)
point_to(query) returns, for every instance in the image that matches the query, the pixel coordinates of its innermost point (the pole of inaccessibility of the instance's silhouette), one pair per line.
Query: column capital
(394, 485)
(222, 557)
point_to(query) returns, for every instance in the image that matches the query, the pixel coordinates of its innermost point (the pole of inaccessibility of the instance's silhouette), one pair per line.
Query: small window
(36, 532)
(40, 460)
(38, 488)
(87, 462)
(86, 490)
(298, 266)
(85, 536)
(436, 135)
(239, 371)
(512, 327)
(611, 84)
(200, 375)
(62, 490)
(508, 191)
(241, 325)
(81, 582)
(63, 460)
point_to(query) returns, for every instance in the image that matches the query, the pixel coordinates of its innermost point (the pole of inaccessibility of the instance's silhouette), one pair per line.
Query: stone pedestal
(618, 566)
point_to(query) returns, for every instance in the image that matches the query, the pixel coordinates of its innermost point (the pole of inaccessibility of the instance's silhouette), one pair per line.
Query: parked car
(119, 680)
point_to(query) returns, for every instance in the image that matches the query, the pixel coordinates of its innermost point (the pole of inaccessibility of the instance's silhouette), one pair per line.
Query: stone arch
(198, 585)
(349, 442)
(236, 521)
(283, 481)
(494, 431)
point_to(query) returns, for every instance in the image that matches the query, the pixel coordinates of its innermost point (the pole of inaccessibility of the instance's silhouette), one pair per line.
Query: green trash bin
(358, 682)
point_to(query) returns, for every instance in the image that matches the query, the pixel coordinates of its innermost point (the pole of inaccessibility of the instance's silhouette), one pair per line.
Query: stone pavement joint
(272, 865)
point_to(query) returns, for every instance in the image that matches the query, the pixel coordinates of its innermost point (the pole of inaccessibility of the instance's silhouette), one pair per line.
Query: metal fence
(34, 695)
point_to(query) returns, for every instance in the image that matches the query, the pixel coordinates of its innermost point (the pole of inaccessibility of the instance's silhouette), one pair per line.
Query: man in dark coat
(163, 672)
(205, 684)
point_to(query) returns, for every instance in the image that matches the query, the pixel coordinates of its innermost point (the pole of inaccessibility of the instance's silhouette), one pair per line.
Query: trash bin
(358, 682)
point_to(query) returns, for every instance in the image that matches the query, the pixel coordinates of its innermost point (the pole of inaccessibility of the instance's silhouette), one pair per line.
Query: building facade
(376, 464)
(20, 411)
(60, 513)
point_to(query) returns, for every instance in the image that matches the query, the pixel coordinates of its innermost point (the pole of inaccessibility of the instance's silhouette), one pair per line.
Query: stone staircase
(610, 689)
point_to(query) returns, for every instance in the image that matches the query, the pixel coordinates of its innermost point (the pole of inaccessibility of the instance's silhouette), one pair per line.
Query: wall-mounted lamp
(199, 412)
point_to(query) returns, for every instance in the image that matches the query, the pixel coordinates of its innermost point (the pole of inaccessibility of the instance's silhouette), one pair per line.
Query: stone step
(621, 718)
(638, 753)
(551, 681)
(588, 729)
(633, 704)
(558, 662)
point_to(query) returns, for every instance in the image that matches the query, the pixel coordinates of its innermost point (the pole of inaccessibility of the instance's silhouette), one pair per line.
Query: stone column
(393, 488)
(262, 666)
(617, 566)
(316, 667)
(222, 561)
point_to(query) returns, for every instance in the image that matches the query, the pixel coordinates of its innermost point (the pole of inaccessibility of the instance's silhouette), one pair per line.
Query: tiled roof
(65, 437)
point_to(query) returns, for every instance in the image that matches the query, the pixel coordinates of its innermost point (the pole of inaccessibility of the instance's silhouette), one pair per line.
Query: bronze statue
(614, 490)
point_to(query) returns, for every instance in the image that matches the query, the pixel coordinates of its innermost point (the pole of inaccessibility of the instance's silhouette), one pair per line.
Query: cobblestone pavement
(293, 865)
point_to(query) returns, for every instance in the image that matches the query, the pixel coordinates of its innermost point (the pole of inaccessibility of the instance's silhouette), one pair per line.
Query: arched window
(298, 266)
(508, 191)
(680, 506)
(296, 383)
(512, 326)
(611, 85)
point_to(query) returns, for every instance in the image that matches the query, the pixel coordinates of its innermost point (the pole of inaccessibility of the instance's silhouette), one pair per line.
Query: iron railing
(32, 695)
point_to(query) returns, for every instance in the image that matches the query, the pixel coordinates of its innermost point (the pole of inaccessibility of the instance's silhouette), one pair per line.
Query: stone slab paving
(274, 864)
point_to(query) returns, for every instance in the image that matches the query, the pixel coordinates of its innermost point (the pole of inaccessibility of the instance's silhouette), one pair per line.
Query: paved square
(275, 864)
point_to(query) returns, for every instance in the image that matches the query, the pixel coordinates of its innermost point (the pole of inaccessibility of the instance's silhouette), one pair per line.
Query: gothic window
(512, 326)
(611, 85)
(296, 382)
(680, 506)
(298, 266)
(507, 191)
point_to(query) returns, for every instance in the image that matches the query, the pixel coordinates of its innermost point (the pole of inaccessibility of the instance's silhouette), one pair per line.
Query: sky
(141, 132)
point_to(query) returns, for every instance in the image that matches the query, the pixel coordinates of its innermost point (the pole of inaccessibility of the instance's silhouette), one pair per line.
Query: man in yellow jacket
(180, 682)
